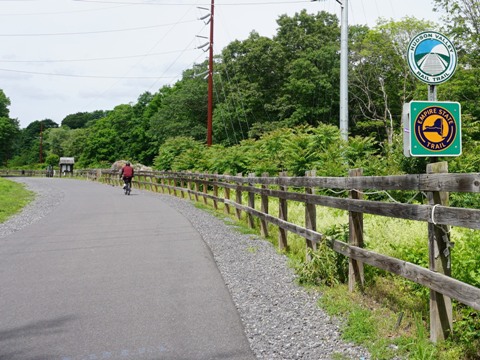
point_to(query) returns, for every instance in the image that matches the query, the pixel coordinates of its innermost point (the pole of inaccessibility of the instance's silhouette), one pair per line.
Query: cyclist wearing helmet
(127, 174)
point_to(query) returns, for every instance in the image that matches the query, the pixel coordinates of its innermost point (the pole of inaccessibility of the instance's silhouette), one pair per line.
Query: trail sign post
(432, 128)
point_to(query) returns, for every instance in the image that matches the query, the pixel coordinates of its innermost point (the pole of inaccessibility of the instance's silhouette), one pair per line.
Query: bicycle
(128, 186)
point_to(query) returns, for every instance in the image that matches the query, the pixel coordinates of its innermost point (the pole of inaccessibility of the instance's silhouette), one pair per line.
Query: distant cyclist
(126, 174)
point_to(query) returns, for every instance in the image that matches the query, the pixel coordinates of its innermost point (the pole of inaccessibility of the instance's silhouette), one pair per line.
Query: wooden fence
(9, 172)
(437, 183)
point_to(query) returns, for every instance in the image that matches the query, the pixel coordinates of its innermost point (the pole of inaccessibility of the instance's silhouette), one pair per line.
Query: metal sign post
(433, 129)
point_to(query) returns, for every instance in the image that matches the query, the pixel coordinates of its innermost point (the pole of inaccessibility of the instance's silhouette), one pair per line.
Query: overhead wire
(43, 13)
(173, 25)
(196, 4)
(215, 88)
(97, 31)
(80, 76)
(228, 106)
(235, 106)
(93, 59)
(153, 47)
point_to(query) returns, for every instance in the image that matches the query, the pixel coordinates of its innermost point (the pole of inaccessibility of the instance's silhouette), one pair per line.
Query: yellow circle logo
(435, 128)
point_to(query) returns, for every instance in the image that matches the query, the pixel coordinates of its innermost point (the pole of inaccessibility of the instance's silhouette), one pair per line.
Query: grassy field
(13, 197)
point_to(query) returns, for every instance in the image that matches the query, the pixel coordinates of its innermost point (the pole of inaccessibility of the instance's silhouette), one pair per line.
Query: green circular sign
(432, 57)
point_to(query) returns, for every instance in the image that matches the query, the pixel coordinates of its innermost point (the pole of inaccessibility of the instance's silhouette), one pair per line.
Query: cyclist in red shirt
(126, 174)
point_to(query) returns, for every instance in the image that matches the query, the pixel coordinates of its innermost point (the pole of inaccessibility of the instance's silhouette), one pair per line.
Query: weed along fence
(437, 183)
(249, 196)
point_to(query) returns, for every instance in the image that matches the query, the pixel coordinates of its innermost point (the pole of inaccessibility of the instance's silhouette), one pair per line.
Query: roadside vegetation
(13, 197)
(276, 110)
(390, 317)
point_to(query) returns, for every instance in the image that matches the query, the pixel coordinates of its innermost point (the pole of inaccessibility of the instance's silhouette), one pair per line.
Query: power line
(86, 76)
(59, 12)
(96, 59)
(195, 4)
(156, 79)
(98, 31)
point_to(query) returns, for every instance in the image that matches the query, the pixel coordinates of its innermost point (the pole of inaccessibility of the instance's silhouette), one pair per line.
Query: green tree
(82, 119)
(462, 20)
(55, 140)
(171, 149)
(31, 140)
(107, 137)
(247, 82)
(75, 145)
(380, 79)
(266, 84)
(141, 141)
(183, 109)
(101, 145)
(9, 131)
(4, 104)
(52, 160)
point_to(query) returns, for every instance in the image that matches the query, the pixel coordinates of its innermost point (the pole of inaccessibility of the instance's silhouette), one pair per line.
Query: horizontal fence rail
(310, 190)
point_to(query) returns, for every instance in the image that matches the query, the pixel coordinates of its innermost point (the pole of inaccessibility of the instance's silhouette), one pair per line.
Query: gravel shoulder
(281, 319)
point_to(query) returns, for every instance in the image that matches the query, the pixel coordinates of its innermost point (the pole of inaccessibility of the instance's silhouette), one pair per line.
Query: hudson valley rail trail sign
(432, 128)
(432, 58)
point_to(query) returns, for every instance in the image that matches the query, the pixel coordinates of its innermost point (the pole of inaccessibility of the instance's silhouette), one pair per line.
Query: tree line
(278, 97)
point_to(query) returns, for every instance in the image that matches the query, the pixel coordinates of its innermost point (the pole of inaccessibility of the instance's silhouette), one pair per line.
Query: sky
(60, 57)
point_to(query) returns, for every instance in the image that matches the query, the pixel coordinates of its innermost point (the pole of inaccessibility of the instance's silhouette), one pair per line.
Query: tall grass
(393, 310)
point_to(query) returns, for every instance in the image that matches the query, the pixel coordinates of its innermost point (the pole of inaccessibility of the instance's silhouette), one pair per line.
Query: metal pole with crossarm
(343, 70)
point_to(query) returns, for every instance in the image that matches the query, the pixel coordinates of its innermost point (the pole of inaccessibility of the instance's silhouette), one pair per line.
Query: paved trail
(109, 276)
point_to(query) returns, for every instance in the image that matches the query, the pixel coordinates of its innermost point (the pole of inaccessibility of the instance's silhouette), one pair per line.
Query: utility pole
(344, 71)
(210, 78)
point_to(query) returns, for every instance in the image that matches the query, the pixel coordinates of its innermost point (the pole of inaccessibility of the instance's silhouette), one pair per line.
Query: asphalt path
(109, 276)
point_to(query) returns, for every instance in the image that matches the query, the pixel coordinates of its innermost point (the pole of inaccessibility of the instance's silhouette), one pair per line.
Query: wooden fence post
(441, 323)
(264, 209)
(226, 209)
(167, 184)
(310, 216)
(174, 184)
(197, 189)
(355, 224)
(251, 204)
(162, 184)
(181, 183)
(188, 184)
(215, 193)
(205, 190)
(283, 215)
(238, 198)
(153, 186)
